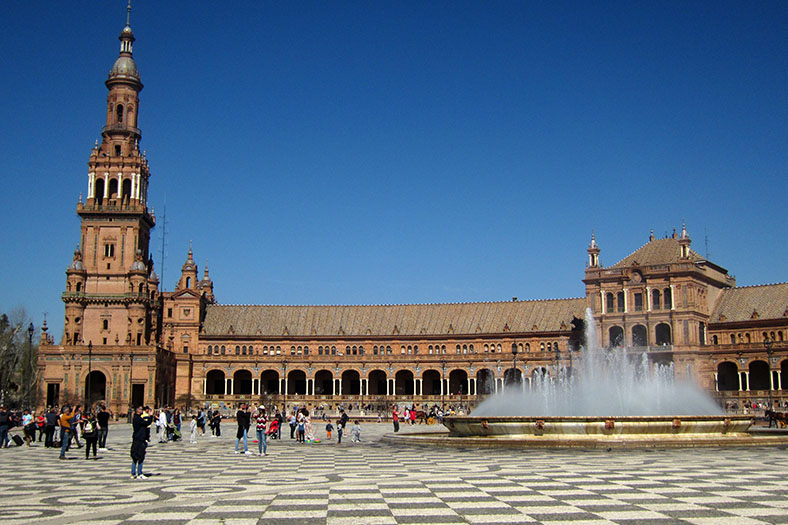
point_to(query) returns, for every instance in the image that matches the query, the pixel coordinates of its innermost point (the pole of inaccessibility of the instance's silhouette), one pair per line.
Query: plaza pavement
(377, 482)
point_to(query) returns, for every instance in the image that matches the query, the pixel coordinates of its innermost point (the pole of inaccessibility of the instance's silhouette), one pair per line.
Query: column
(204, 387)
(415, 386)
(106, 185)
(255, 385)
(779, 375)
(469, 386)
(602, 296)
(120, 186)
(626, 302)
(747, 379)
(228, 387)
(673, 303)
(443, 392)
(133, 186)
(91, 185)
(716, 378)
(648, 298)
(340, 386)
(281, 386)
(771, 380)
(285, 386)
(388, 386)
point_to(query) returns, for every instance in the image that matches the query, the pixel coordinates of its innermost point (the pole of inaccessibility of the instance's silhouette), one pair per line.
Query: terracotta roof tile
(658, 251)
(411, 319)
(768, 301)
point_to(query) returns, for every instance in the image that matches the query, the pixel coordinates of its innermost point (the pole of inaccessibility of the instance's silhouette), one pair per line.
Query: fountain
(606, 398)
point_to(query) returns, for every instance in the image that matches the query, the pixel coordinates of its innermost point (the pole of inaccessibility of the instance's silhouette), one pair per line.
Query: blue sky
(403, 152)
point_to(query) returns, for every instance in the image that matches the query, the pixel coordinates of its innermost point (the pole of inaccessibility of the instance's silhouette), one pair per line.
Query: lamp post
(443, 382)
(30, 330)
(284, 383)
(90, 363)
(514, 362)
(767, 343)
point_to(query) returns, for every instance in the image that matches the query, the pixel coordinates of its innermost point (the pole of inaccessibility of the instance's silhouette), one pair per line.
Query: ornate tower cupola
(684, 242)
(188, 279)
(593, 253)
(206, 285)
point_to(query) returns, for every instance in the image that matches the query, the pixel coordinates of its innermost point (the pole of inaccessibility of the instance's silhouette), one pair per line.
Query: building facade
(128, 343)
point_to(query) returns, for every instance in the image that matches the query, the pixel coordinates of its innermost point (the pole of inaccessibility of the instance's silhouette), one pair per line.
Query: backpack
(89, 428)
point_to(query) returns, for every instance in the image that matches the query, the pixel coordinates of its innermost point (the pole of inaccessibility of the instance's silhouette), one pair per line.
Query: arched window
(541, 347)
(415, 349)
(209, 350)
(243, 350)
(656, 300)
(105, 324)
(429, 349)
(459, 349)
(527, 347)
(620, 301)
(306, 350)
(714, 339)
(610, 303)
(223, 350)
(119, 114)
(616, 335)
(319, 350)
(265, 350)
(662, 333)
(237, 350)
(470, 348)
(733, 339)
(747, 337)
(549, 347)
(668, 296)
(388, 350)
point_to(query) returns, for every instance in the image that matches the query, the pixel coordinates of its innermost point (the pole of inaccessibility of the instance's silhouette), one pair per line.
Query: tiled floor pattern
(376, 482)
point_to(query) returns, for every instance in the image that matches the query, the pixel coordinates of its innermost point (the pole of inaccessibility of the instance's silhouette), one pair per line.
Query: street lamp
(768, 344)
(514, 362)
(90, 363)
(284, 383)
(443, 382)
(30, 331)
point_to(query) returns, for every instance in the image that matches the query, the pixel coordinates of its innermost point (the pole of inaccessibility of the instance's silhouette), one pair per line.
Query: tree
(18, 361)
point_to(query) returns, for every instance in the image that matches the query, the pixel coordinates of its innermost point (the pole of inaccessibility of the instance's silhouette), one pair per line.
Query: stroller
(273, 430)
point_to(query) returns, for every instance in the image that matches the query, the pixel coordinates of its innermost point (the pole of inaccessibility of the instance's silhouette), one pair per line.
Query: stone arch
(431, 382)
(662, 334)
(377, 382)
(351, 383)
(727, 377)
(403, 383)
(616, 336)
(296, 383)
(639, 335)
(759, 375)
(269, 382)
(324, 382)
(214, 382)
(97, 391)
(242, 382)
(485, 381)
(458, 381)
(512, 376)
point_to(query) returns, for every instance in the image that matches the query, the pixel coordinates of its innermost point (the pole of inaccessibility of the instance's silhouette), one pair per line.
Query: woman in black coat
(139, 441)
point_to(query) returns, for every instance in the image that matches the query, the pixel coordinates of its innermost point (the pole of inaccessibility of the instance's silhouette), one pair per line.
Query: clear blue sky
(403, 152)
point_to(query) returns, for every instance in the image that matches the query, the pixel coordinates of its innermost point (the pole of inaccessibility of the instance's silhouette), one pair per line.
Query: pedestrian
(176, 419)
(5, 418)
(280, 421)
(49, 428)
(29, 427)
(162, 426)
(339, 432)
(243, 418)
(395, 418)
(201, 421)
(356, 432)
(301, 426)
(216, 424)
(344, 418)
(261, 420)
(41, 422)
(193, 428)
(329, 429)
(102, 418)
(66, 430)
(139, 441)
(292, 421)
(90, 432)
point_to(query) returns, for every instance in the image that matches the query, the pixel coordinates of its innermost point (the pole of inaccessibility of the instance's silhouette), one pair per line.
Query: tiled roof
(658, 251)
(390, 320)
(767, 301)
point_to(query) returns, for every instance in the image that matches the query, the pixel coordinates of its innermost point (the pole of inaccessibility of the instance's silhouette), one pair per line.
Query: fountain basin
(621, 432)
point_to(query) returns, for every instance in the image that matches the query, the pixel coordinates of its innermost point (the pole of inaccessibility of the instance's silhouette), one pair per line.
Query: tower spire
(128, 14)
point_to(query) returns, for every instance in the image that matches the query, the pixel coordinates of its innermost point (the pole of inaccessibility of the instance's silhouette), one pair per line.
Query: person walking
(243, 418)
(261, 420)
(29, 427)
(66, 430)
(162, 424)
(102, 418)
(356, 433)
(5, 424)
(139, 441)
(216, 424)
(193, 428)
(339, 432)
(395, 418)
(280, 420)
(91, 433)
(49, 428)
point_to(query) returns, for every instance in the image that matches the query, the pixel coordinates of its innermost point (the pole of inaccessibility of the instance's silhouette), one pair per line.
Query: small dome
(76, 265)
(124, 67)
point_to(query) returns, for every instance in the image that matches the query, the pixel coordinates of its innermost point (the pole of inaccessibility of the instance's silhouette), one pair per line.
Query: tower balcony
(122, 128)
(115, 206)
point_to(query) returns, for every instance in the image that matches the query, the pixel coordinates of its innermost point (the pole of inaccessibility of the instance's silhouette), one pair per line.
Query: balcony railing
(121, 127)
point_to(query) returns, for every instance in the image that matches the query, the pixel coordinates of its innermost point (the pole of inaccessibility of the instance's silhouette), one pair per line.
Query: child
(339, 432)
(329, 429)
(356, 432)
(193, 428)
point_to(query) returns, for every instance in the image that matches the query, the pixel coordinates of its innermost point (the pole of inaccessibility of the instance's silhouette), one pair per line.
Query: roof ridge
(403, 304)
(756, 285)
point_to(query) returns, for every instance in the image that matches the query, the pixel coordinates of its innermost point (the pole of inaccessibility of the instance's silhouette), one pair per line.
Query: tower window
(117, 151)
(119, 114)
(109, 250)
(105, 324)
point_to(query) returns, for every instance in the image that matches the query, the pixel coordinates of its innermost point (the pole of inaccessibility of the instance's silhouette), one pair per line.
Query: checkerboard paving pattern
(389, 483)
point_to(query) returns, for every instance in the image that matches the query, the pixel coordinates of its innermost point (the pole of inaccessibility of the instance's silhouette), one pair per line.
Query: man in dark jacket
(49, 427)
(139, 441)
(4, 426)
(243, 417)
(103, 427)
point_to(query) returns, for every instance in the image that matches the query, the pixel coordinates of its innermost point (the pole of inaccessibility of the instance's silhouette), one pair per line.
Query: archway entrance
(269, 382)
(727, 377)
(639, 335)
(351, 384)
(95, 387)
(431, 383)
(662, 333)
(214, 383)
(485, 382)
(242, 383)
(458, 382)
(377, 383)
(512, 377)
(759, 376)
(324, 383)
(403, 383)
(296, 383)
